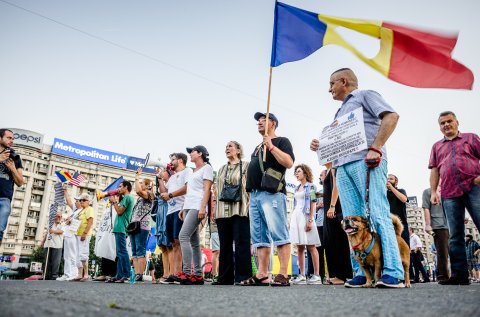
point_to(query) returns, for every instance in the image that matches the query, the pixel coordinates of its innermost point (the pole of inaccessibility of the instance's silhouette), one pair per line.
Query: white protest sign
(346, 135)
(105, 240)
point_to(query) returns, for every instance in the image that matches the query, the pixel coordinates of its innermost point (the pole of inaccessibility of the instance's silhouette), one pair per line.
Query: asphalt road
(51, 298)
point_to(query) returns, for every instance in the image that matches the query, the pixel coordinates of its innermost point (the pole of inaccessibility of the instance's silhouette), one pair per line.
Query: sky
(138, 77)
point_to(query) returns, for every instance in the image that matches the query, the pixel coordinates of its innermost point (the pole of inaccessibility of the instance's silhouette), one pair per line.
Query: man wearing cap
(83, 234)
(70, 251)
(380, 120)
(268, 204)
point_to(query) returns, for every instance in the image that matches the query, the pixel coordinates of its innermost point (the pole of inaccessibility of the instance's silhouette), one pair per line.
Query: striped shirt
(227, 210)
(457, 163)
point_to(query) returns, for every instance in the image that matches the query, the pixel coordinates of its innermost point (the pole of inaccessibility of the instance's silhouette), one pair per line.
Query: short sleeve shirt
(437, 215)
(373, 106)
(6, 179)
(142, 209)
(195, 187)
(83, 216)
(396, 206)
(177, 181)
(254, 173)
(122, 221)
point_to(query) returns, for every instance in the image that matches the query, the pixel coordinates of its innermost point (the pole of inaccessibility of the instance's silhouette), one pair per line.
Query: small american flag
(77, 178)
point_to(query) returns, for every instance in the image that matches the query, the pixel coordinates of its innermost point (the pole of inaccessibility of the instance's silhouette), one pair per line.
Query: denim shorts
(268, 219)
(139, 243)
(215, 242)
(173, 226)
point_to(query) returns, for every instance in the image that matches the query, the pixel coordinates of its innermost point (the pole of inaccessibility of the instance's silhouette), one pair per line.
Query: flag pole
(268, 114)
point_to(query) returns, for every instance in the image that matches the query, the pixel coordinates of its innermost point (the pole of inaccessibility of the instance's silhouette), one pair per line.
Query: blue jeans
(123, 264)
(268, 219)
(5, 210)
(351, 183)
(139, 243)
(455, 213)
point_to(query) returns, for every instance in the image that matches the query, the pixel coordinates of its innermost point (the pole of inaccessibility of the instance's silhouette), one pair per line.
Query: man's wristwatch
(170, 195)
(332, 206)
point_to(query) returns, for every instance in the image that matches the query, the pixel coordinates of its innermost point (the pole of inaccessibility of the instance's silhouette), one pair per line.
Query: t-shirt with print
(142, 209)
(175, 182)
(122, 221)
(373, 106)
(83, 216)
(194, 196)
(6, 178)
(56, 240)
(254, 173)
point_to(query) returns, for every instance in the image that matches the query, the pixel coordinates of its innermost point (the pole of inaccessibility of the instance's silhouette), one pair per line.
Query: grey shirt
(373, 106)
(437, 214)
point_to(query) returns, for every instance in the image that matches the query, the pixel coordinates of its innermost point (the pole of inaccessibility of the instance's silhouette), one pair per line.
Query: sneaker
(62, 278)
(356, 282)
(122, 280)
(168, 280)
(314, 280)
(298, 280)
(178, 277)
(454, 280)
(186, 279)
(388, 281)
(197, 280)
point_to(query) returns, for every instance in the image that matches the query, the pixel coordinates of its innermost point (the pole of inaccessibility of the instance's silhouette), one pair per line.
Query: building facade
(30, 203)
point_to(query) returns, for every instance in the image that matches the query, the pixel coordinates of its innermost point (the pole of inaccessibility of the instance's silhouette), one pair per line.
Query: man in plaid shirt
(455, 161)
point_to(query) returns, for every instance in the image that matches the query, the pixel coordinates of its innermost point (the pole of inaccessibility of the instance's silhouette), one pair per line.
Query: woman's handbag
(231, 193)
(272, 180)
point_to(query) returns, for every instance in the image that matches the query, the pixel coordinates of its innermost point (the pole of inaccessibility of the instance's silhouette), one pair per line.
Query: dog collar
(355, 247)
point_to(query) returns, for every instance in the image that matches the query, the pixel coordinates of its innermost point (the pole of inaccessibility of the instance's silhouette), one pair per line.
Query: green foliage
(92, 256)
(38, 255)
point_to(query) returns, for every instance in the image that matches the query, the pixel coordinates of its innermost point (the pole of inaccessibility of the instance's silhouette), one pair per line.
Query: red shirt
(457, 161)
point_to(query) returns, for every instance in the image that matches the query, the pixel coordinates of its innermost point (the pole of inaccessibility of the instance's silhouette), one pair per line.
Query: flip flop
(255, 281)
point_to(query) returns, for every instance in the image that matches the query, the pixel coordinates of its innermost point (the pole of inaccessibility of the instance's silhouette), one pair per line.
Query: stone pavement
(51, 298)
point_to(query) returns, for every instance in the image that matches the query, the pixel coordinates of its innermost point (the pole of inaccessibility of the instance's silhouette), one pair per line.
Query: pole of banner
(268, 113)
(46, 259)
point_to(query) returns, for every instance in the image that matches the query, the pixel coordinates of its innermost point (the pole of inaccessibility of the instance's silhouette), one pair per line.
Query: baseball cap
(83, 196)
(198, 148)
(271, 116)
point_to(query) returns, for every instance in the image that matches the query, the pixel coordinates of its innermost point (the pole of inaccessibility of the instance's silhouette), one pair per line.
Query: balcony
(39, 185)
(35, 206)
(42, 170)
(31, 224)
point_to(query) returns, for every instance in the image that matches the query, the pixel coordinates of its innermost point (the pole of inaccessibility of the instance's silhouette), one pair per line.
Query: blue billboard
(87, 153)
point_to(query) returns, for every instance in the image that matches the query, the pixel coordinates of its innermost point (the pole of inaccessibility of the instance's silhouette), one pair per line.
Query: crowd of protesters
(245, 208)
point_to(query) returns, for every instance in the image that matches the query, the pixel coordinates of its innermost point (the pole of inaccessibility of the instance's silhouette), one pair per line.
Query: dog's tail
(397, 224)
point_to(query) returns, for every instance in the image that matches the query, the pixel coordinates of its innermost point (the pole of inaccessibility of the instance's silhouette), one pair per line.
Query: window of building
(10, 246)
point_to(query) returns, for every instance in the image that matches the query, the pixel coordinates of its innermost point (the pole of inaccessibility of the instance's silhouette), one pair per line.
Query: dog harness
(364, 254)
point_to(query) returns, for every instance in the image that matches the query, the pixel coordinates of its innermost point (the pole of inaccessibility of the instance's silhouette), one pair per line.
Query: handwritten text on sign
(346, 135)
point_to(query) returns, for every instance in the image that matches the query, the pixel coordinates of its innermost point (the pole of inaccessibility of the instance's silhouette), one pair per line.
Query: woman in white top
(194, 211)
(302, 224)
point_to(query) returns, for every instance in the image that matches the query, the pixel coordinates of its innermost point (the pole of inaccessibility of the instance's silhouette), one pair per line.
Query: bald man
(379, 120)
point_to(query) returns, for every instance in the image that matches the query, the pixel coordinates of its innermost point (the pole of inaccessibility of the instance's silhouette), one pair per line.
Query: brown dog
(361, 238)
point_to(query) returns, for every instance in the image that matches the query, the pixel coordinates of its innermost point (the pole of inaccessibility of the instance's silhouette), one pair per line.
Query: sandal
(280, 280)
(255, 281)
(337, 281)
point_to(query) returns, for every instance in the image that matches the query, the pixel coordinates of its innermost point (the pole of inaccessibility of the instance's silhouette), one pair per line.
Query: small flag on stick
(64, 176)
(77, 178)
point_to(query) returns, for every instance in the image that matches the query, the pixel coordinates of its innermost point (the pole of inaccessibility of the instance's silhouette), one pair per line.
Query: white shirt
(56, 240)
(415, 242)
(175, 182)
(194, 196)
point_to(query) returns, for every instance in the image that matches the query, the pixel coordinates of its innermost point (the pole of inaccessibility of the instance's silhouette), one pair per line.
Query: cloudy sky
(156, 76)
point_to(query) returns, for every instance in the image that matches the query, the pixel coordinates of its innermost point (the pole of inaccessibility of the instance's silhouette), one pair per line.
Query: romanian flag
(64, 176)
(408, 56)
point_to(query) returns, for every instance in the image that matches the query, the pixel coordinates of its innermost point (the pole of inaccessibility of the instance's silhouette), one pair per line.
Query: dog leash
(371, 164)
